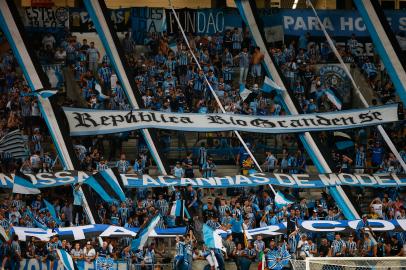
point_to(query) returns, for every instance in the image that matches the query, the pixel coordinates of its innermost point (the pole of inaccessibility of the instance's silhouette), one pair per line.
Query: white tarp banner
(92, 122)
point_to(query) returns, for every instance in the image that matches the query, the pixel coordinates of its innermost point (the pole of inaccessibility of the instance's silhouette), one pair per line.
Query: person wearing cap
(89, 253)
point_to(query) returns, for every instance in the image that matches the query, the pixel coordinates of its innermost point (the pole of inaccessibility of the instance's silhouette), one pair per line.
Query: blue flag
(52, 211)
(280, 200)
(270, 85)
(66, 259)
(211, 238)
(107, 184)
(333, 98)
(36, 222)
(179, 209)
(145, 231)
(23, 185)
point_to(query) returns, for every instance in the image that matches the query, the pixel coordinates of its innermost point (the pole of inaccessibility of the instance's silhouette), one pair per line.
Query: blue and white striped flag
(22, 185)
(280, 200)
(212, 238)
(36, 222)
(106, 184)
(270, 85)
(66, 259)
(333, 98)
(145, 231)
(179, 210)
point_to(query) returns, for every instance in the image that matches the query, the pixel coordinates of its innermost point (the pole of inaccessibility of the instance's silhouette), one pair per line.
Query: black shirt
(103, 252)
(395, 248)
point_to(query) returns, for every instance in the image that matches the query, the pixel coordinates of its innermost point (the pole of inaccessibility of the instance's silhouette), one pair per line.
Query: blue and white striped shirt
(123, 166)
(237, 39)
(337, 247)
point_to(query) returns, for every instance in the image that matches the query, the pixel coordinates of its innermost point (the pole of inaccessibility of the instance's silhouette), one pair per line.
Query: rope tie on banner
(213, 92)
(356, 88)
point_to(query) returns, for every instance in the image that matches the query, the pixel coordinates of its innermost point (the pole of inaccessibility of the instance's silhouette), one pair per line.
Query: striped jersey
(202, 155)
(293, 241)
(236, 39)
(102, 166)
(223, 209)
(180, 249)
(122, 166)
(105, 74)
(351, 247)
(162, 206)
(360, 159)
(337, 247)
(183, 58)
(227, 74)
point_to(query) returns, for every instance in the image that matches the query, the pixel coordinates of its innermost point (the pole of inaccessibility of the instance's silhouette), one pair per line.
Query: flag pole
(214, 93)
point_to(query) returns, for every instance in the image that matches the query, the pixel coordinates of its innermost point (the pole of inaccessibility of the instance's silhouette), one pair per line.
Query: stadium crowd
(169, 81)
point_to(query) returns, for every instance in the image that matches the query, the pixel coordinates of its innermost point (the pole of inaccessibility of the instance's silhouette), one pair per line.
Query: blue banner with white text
(61, 178)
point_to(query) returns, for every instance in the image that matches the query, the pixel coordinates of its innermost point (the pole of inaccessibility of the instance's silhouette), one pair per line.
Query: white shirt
(91, 252)
(35, 109)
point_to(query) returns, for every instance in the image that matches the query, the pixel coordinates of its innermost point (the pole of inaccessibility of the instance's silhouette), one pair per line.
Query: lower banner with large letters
(37, 264)
(85, 232)
(61, 178)
(324, 226)
(77, 233)
(84, 122)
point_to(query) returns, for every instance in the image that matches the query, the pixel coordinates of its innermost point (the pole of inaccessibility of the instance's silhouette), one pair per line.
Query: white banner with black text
(84, 122)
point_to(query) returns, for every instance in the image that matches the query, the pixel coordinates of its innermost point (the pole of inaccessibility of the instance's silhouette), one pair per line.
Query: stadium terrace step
(363, 86)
